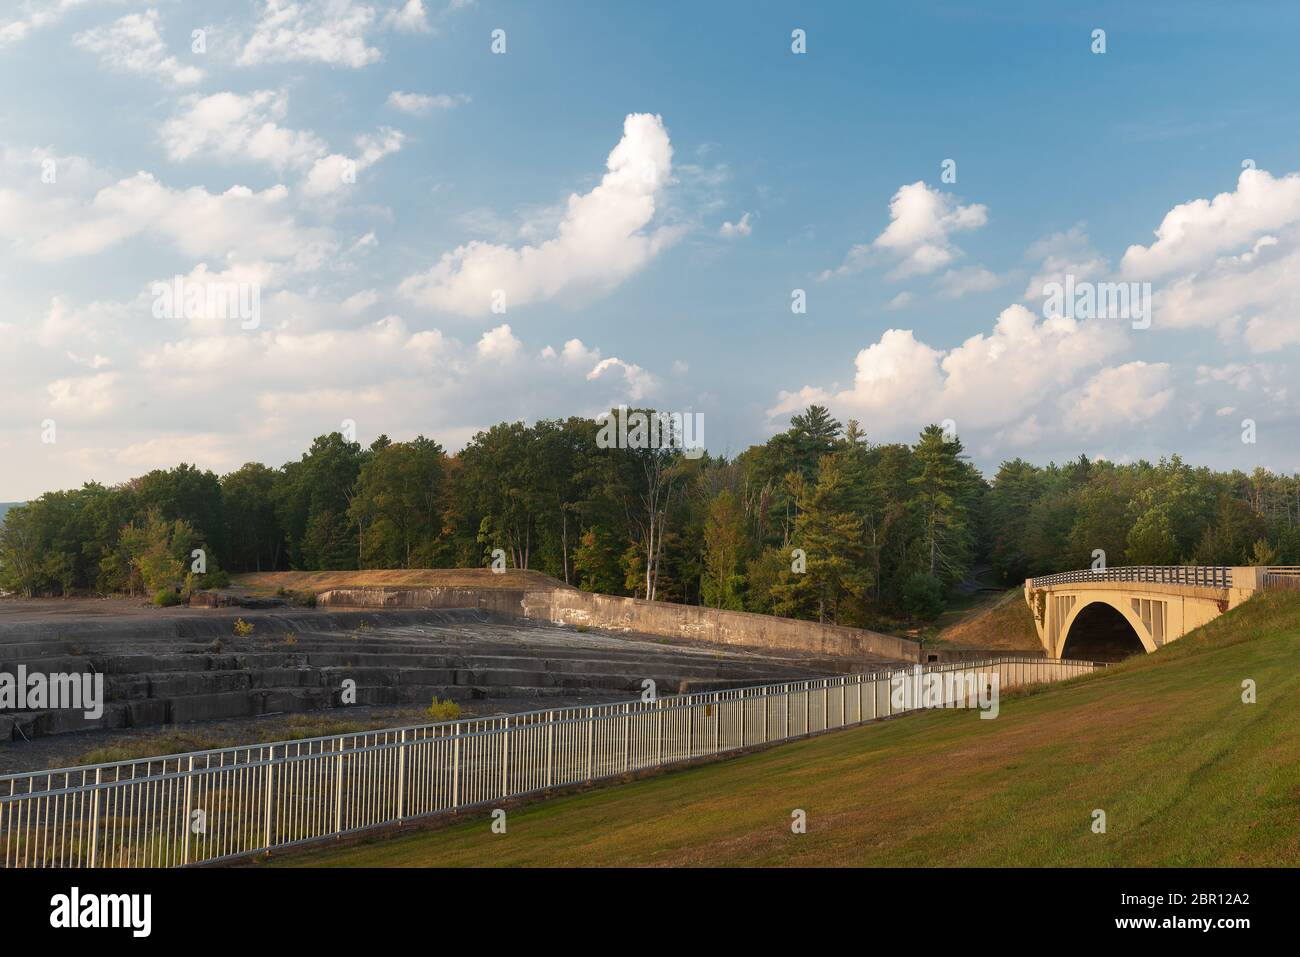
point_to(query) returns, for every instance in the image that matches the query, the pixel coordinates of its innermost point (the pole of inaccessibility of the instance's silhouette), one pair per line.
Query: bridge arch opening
(1100, 632)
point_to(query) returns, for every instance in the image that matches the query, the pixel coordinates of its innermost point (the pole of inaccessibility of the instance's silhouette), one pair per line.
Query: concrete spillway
(181, 666)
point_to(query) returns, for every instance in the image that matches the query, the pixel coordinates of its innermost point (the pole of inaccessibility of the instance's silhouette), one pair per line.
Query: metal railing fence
(1282, 576)
(230, 802)
(1210, 576)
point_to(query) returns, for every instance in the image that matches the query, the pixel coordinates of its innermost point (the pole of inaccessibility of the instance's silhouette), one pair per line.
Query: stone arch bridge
(1111, 613)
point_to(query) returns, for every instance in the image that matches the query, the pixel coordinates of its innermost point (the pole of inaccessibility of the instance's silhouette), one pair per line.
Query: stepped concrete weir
(404, 646)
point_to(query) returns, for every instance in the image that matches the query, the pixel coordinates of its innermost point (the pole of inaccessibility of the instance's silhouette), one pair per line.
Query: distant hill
(5, 506)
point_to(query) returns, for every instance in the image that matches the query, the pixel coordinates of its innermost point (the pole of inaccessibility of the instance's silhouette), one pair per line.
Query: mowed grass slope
(1186, 773)
(1002, 624)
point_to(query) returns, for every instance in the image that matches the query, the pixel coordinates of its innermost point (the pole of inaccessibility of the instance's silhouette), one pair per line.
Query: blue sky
(771, 171)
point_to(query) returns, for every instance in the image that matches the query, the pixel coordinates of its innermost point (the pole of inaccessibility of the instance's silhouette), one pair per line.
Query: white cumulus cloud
(135, 45)
(233, 126)
(737, 229)
(917, 240)
(1119, 396)
(409, 17)
(956, 283)
(603, 237)
(241, 222)
(246, 127)
(422, 104)
(333, 172)
(333, 32)
(1192, 234)
(988, 382)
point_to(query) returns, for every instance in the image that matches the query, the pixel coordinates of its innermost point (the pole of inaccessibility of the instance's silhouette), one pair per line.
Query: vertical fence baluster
(270, 769)
(94, 822)
(627, 736)
(550, 748)
(338, 787)
(401, 774)
(185, 824)
(505, 759)
(591, 742)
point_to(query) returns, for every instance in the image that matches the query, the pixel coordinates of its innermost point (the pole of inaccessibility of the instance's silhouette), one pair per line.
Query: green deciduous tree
(398, 504)
(724, 550)
(256, 539)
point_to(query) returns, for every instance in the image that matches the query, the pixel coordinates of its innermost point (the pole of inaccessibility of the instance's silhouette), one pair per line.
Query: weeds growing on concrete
(443, 710)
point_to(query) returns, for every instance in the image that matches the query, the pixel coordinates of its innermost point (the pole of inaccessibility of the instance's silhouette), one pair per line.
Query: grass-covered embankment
(999, 623)
(270, 582)
(1186, 773)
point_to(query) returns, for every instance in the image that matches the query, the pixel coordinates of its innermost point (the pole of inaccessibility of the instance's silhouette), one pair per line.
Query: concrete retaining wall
(713, 625)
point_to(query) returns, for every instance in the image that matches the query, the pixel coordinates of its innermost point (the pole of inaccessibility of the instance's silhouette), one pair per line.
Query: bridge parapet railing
(1208, 576)
(231, 802)
(1282, 576)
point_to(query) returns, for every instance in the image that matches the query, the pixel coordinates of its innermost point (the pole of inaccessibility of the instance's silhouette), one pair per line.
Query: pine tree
(939, 507)
(836, 581)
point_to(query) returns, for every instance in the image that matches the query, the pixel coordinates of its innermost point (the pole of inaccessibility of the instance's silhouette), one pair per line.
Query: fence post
(270, 779)
(455, 768)
(743, 700)
(690, 727)
(185, 841)
(627, 736)
(659, 732)
(505, 760)
(591, 742)
(94, 822)
(401, 774)
(338, 786)
(550, 747)
(717, 721)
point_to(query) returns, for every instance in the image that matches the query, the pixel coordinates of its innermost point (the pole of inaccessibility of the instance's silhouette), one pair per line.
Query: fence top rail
(476, 726)
(1218, 575)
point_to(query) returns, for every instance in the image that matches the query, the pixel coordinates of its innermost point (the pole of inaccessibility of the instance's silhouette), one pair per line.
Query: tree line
(817, 523)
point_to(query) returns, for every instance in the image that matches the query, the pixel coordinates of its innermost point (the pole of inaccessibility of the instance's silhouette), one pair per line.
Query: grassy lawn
(268, 582)
(1186, 773)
